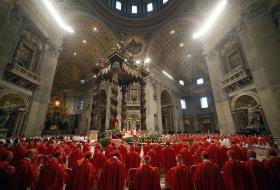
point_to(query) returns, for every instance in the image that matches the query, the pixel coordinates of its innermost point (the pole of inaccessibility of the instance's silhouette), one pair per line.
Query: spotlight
(167, 74)
(147, 60)
(172, 31)
(213, 17)
(57, 17)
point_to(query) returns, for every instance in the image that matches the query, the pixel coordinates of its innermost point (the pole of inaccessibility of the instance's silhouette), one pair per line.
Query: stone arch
(13, 112)
(248, 114)
(250, 95)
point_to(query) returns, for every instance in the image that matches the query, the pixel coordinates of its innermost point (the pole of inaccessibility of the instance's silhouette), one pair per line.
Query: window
(150, 7)
(183, 104)
(204, 102)
(181, 82)
(199, 81)
(118, 5)
(134, 9)
(164, 1)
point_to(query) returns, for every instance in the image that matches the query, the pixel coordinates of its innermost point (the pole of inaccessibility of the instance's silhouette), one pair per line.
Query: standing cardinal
(147, 177)
(179, 177)
(112, 176)
(235, 173)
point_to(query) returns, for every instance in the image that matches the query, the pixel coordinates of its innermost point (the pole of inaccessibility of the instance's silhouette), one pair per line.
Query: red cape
(25, 175)
(52, 176)
(258, 175)
(209, 177)
(74, 156)
(155, 159)
(112, 176)
(236, 176)
(179, 178)
(132, 160)
(272, 165)
(168, 158)
(147, 178)
(82, 176)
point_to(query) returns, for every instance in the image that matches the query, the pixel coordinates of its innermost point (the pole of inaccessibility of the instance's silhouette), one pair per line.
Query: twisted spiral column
(143, 105)
(123, 114)
(114, 99)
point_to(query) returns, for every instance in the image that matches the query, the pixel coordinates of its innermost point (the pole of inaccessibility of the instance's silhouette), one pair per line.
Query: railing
(24, 73)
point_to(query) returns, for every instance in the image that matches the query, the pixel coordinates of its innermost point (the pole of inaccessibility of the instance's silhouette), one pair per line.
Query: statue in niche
(133, 94)
(235, 60)
(24, 56)
(253, 117)
(5, 113)
(156, 123)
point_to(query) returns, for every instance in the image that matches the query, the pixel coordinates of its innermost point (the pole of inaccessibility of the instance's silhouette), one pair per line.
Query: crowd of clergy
(185, 162)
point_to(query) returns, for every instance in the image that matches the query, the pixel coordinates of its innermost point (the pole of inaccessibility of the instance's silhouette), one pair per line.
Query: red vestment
(6, 173)
(74, 156)
(179, 178)
(272, 165)
(123, 151)
(25, 175)
(98, 160)
(82, 176)
(132, 160)
(147, 178)
(236, 176)
(187, 157)
(155, 159)
(146, 148)
(52, 176)
(112, 176)
(258, 175)
(208, 176)
(168, 158)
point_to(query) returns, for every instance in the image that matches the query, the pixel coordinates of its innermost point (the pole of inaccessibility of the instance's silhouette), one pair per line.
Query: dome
(136, 8)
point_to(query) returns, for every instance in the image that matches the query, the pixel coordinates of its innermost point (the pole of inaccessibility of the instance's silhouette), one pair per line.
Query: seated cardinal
(147, 177)
(179, 177)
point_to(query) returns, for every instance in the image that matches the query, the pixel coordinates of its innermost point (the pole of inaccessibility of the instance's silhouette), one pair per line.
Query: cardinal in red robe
(98, 160)
(83, 174)
(133, 159)
(179, 177)
(6, 169)
(146, 176)
(168, 158)
(113, 174)
(272, 165)
(155, 159)
(75, 155)
(208, 175)
(187, 157)
(53, 174)
(235, 174)
(147, 147)
(25, 173)
(123, 151)
(259, 177)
